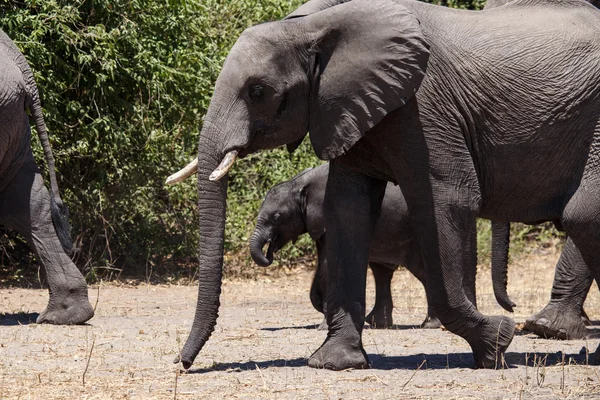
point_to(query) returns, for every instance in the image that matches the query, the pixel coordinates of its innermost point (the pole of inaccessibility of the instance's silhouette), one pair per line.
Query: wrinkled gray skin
(492, 113)
(563, 317)
(295, 207)
(25, 204)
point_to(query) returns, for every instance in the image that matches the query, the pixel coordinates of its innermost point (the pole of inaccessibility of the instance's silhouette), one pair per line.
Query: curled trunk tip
(257, 242)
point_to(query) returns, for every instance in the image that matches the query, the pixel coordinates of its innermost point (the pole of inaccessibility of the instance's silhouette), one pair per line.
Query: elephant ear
(313, 6)
(368, 58)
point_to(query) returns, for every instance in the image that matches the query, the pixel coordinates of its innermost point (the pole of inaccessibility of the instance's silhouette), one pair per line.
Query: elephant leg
(381, 315)
(414, 263)
(563, 317)
(581, 220)
(352, 206)
(25, 207)
(452, 226)
(318, 289)
(469, 267)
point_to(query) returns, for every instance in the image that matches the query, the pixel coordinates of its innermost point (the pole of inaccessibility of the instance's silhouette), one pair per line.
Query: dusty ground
(265, 332)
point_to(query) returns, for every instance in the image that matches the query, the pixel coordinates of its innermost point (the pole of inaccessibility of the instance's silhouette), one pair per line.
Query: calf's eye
(256, 92)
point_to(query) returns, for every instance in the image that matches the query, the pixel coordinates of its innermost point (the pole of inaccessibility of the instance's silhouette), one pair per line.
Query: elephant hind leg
(25, 207)
(581, 220)
(563, 317)
(381, 315)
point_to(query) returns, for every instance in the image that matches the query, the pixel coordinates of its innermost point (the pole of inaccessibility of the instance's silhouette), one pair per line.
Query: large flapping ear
(313, 6)
(369, 57)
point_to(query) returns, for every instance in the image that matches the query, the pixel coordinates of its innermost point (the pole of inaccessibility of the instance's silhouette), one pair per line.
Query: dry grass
(266, 331)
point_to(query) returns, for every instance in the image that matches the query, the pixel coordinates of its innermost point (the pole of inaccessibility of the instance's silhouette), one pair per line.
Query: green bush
(124, 86)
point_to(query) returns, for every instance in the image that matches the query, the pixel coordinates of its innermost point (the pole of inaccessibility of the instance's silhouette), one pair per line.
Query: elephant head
(281, 219)
(289, 210)
(335, 73)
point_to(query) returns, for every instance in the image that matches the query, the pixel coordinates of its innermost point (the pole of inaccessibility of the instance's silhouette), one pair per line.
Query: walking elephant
(494, 113)
(25, 204)
(295, 207)
(563, 317)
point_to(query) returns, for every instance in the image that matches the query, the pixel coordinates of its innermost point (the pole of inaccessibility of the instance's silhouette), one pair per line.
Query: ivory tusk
(184, 173)
(224, 167)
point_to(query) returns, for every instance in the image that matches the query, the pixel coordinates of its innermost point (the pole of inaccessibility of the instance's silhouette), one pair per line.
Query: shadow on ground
(316, 326)
(465, 360)
(18, 319)
(415, 361)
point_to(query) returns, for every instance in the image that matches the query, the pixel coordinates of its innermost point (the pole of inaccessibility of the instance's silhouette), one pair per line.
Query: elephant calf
(25, 204)
(295, 207)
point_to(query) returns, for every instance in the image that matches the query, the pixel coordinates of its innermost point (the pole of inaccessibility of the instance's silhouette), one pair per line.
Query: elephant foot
(491, 341)
(558, 323)
(73, 309)
(337, 355)
(431, 323)
(379, 319)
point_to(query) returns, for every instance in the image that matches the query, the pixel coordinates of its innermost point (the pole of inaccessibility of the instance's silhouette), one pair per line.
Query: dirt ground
(265, 332)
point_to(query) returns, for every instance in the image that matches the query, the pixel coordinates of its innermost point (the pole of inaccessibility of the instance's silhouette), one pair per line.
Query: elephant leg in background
(415, 265)
(25, 207)
(352, 204)
(563, 317)
(318, 289)
(381, 315)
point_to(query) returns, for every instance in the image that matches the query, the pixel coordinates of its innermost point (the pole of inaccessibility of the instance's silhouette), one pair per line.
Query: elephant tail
(500, 244)
(59, 211)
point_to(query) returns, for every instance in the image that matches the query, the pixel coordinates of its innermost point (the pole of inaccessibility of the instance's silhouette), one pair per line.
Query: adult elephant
(25, 204)
(295, 207)
(469, 112)
(563, 317)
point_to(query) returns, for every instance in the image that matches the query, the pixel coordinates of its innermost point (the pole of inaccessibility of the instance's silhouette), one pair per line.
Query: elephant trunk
(259, 238)
(500, 243)
(212, 197)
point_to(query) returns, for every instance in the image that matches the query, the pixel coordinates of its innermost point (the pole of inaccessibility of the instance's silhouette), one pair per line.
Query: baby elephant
(296, 207)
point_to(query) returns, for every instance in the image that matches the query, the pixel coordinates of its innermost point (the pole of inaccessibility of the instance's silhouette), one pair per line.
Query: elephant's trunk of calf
(259, 238)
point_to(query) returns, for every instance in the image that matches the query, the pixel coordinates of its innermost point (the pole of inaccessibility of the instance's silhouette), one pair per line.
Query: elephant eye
(256, 92)
(283, 104)
(276, 217)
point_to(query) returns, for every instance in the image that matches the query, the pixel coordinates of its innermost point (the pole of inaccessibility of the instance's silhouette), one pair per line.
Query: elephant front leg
(448, 246)
(25, 207)
(352, 205)
(563, 317)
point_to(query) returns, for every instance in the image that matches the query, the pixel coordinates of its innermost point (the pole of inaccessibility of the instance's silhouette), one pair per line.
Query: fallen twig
(87, 364)
(414, 373)
(262, 376)
(97, 296)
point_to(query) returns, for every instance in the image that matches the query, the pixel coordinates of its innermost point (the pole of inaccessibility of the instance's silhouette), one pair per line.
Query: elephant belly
(530, 182)
(390, 251)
